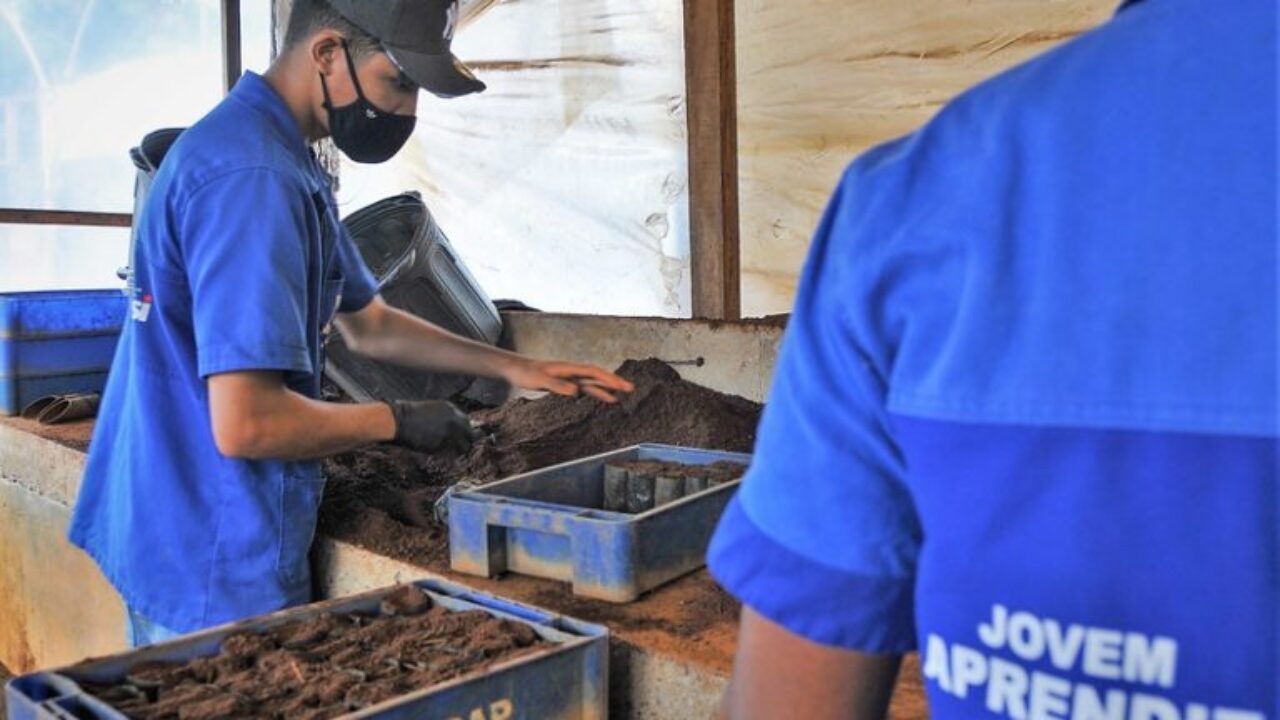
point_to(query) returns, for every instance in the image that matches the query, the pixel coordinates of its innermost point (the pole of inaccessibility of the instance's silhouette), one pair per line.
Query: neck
(292, 79)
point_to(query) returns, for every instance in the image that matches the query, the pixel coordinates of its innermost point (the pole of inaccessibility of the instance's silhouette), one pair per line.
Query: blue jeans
(140, 631)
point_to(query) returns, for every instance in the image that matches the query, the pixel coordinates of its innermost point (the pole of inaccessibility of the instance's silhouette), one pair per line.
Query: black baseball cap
(416, 35)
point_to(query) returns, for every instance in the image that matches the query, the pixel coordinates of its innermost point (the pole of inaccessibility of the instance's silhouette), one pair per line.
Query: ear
(325, 50)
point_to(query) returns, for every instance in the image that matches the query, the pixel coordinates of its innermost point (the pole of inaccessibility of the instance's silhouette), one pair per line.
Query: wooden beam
(711, 105)
(231, 57)
(25, 216)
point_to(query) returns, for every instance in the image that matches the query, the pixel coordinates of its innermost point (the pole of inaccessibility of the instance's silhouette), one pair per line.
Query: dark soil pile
(326, 666)
(381, 497)
(664, 408)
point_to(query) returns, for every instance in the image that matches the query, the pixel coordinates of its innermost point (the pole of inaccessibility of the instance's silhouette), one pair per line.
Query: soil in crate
(635, 486)
(381, 497)
(325, 666)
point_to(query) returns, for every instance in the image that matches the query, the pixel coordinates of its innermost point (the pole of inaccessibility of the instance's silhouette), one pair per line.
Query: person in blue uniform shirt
(1025, 413)
(201, 492)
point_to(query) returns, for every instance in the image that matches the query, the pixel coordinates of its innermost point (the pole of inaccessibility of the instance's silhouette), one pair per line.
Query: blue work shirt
(1025, 413)
(240, 264)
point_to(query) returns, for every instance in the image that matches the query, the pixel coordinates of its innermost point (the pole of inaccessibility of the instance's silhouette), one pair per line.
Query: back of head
(308, 17)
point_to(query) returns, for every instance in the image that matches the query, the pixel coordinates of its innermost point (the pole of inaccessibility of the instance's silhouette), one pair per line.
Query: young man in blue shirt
(200, 497)
(1025, 415)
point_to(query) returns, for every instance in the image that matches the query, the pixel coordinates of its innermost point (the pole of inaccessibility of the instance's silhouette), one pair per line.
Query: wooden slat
(21, 216)
(231, 57)
(819, 84)
(711, 103)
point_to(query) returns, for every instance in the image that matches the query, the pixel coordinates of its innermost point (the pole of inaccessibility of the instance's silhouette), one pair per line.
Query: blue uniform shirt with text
(1025, 413)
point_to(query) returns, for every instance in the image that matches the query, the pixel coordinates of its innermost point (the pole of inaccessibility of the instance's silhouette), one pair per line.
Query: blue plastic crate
(551, 523)
(53, 343)
(569, 681)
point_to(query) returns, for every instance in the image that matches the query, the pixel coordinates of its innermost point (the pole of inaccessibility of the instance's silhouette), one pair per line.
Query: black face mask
(362, 131)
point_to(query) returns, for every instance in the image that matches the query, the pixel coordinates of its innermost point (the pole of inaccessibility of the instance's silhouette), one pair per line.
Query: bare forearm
(777, 674)
(383, 332)
(401, 338)
(284, 425)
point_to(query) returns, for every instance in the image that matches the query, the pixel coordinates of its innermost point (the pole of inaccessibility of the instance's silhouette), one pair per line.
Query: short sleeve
(244, 238)
(359, 286)
(822, 537)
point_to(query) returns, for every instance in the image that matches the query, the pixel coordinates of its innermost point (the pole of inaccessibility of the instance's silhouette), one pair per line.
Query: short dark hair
(308, 17)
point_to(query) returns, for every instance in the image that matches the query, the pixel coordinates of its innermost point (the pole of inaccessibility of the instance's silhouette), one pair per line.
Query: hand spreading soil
(381, 497)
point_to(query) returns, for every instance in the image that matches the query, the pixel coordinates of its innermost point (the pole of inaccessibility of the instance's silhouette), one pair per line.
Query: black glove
(428, 425)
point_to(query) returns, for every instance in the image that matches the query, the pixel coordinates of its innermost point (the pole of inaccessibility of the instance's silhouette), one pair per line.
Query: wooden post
(711, 103)
(231, 57)
(31, 216)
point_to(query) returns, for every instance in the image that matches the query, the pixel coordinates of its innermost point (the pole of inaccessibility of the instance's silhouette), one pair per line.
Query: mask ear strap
(324, 86)
(351, 65)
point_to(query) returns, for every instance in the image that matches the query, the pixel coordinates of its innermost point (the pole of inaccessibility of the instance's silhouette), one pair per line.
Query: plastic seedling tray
(553, 523)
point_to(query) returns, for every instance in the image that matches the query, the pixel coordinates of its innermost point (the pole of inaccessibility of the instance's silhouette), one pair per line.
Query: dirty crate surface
(55, 343)
(553, 523)
(567, 681)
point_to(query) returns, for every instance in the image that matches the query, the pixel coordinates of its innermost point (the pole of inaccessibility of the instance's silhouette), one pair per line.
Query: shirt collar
(1126, 4)
(253, 90)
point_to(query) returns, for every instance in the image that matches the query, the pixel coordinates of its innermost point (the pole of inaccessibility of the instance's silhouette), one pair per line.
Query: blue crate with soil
(430, 649)
(615, 525)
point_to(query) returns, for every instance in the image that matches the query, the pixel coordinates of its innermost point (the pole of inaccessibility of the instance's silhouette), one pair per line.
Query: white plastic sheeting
(564, 184)
(80, 84)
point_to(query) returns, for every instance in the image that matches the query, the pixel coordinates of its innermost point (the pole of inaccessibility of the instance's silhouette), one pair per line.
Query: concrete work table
(58, 608)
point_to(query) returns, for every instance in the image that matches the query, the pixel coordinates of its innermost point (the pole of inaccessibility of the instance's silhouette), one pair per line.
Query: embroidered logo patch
(141, 309)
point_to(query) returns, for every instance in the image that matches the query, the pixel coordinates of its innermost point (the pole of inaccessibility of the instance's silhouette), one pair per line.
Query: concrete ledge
(56, 607)
(738, 357)
(43, 466)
